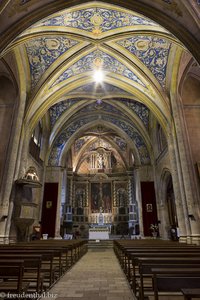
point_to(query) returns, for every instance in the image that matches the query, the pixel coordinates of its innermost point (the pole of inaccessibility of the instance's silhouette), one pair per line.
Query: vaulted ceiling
(57, 57)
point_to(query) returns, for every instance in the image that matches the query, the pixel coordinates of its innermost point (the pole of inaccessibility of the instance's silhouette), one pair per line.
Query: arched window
(35, 144)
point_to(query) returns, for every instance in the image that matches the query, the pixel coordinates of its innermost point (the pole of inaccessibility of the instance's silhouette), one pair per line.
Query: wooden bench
(191, 293)
(162, 258)
(168, 282)
(11, 275)
(57, 256)
(134, 258)
(32, 269)
(47, 260)
(146, 272)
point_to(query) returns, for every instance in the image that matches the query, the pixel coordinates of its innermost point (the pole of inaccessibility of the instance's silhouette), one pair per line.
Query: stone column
(134, 218)
(181, 207)
(189, 196)
(138, 197)
(87, 194)
(114, 194)
(6, 206)
(59, 201)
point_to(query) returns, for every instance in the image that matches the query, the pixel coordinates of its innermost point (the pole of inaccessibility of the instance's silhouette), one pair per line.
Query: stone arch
(156, 13)
(167, 206)
(88, 125)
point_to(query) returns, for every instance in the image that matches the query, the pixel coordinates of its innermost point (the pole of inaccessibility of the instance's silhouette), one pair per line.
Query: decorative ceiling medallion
(98, 62)
(96, 20)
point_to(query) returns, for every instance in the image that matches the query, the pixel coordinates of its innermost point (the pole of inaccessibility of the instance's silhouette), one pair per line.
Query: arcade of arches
(126, 148)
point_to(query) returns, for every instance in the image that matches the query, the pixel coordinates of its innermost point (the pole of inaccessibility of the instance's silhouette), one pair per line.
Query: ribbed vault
(58, 56)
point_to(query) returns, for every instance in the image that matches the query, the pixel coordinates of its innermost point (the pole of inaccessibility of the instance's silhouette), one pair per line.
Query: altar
(99, 233)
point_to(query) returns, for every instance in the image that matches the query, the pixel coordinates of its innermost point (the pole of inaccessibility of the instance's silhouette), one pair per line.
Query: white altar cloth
(99, 233)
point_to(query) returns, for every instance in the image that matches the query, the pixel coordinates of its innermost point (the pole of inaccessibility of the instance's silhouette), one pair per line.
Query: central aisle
(97, 276)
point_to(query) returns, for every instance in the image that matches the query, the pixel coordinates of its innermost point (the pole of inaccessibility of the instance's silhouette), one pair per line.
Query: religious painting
(48, 204)
(106, 197)
(149, 207)
(95, 197)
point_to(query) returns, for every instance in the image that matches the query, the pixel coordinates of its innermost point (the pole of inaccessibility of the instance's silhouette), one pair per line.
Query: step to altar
(99, 245)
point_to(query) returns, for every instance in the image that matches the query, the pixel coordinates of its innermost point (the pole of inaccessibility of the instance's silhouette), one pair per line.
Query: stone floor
(97, 276)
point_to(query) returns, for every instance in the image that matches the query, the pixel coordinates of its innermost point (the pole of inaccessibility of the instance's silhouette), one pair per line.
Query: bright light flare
(98, 76)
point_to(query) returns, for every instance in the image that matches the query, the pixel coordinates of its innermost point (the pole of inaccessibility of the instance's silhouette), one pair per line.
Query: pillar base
(4, 239)
(193, 239)
(183, 239)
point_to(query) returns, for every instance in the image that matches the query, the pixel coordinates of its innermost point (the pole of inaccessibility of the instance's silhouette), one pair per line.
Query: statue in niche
(122, 197)
(100, 161)
(79, 198)
(101, 219)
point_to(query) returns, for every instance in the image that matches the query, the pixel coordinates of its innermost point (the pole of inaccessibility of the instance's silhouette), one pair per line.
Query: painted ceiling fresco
(100, 106)
(152, 51)
(129, 130)
(102, 89)
(128, 47)
(109, 64)
(96, 20)
(43, 52)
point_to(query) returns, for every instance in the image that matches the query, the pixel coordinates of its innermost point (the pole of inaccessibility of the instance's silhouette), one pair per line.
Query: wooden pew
(32, 268)
(65, 254)
(47, 260)
(146, 272)
(136, 257)
(191, 293)
(169, 283)
(11, 275)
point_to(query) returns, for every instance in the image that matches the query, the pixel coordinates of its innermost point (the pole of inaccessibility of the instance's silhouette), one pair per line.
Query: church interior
(100, 119)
